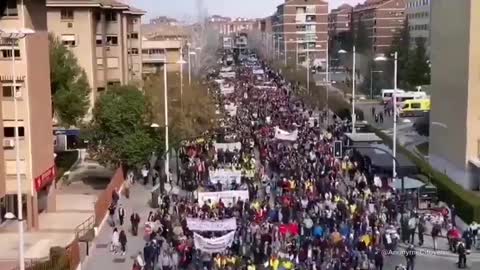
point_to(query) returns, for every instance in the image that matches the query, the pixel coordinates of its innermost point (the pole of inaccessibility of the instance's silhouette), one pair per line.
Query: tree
(418, 70)
(69, 85)
(362, 41)
(401, 45)
(190, 114)
(120, 133)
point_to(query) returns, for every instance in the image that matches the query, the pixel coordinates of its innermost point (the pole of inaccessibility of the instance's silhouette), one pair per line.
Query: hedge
(467, 203)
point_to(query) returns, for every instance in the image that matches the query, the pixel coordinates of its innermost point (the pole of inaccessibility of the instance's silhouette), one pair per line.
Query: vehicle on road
(415, 107)
(388, 93)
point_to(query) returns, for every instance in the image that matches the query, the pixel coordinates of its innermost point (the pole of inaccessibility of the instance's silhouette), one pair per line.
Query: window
(9, 132)
(66, 14)
(7, 53)
(112, 40)
(415, 105)
(11, 9)
(133, 35)
(100, 89)
(97, 16)
(113, 83)
(99, 40)
(68, 40)
(112, 62)
(99, 62)
(133, 51)
(111, 16)
(7, 91)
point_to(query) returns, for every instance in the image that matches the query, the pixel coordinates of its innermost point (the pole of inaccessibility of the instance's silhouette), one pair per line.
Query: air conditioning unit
(8, 143)
(69, 25)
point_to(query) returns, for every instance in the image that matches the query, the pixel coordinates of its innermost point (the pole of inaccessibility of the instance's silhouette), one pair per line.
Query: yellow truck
(415, 107)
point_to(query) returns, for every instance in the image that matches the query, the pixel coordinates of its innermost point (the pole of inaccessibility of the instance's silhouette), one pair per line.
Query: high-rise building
(300, 27)
(31, 86)
(382, 20)
(339, 25)
(454, 146)
(418, 15)
(105, 36)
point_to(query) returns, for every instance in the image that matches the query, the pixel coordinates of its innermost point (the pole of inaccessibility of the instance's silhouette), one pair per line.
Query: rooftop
(151, 31)
(106, 4)
(363, 137)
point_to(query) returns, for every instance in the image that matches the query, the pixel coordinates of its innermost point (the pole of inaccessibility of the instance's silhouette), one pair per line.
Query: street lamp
(190, 66)
(354, 117)
(181, 62)
(394, 96)
(371, 81)
(14, 36)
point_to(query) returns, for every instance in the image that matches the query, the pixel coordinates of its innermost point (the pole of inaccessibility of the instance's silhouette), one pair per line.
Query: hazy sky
(186, 9)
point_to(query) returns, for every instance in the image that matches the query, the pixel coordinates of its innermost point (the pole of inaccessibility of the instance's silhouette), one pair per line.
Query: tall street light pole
(189, 65)
(15, 37)
(328, 82)
(165, 106)
(354, 116)
(285, 50)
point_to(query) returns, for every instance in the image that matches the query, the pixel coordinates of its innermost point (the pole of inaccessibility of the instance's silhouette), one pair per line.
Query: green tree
(401, 45)
(69, 85)
(362, 41)
(190, 114)
(418, 68)
(120, 133)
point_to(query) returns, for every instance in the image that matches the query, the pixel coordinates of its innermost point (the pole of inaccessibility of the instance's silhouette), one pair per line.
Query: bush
(466, 202)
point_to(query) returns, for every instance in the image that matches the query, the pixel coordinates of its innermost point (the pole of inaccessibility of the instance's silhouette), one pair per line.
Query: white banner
(196, 224)
(229, 146)
(225, 177)
(285, 135)
(227, 89)
(230, 74)
(258, 72)
(231, 109)
(227, 197)
(213, 245)
(226, 69)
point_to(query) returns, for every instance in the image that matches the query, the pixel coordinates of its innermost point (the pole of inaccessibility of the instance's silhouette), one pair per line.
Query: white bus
(388, 93)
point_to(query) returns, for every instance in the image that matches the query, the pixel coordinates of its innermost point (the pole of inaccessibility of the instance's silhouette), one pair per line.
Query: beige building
(105, 36)
(32, 87)
(162, 41)
(455, 116)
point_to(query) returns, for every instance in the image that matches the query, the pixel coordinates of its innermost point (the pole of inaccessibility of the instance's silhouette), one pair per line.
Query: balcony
(153, 58)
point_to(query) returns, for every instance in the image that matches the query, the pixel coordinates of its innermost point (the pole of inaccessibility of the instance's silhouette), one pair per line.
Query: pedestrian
(373, 111)
(453, 213)
(436, 230)
(145, 174)
(111, 214)
(412, 225)
(421, 230)
(462, 255)
(115, 241)
(378, 260)
(376, 118)
(148, 255)
(122, 238)
(115, 196)
(410, 254)
(135, 220)
(139, 262)
(121, 214)
(381, 117)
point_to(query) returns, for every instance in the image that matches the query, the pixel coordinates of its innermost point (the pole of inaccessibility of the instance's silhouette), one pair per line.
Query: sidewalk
(100, 256)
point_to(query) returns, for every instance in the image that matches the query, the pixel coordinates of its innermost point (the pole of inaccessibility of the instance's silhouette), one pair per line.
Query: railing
(86, 227)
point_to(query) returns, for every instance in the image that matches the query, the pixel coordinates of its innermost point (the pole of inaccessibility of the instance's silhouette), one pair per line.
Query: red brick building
(383, 19)
(339, 25)
(301, 26)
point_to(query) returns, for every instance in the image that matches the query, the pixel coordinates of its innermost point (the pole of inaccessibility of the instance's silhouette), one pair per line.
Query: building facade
(32, 89)
(455, 116)
(300, 28)
(418, 15)
(227, 26)
(104, 35)
(339, 25)
(382, 19)
(162, 43)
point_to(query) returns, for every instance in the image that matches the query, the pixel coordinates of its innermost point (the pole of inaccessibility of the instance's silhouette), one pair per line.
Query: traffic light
(338, 149)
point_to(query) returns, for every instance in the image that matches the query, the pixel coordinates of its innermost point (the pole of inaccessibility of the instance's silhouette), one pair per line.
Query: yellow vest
(288, 265)
(251, 267)
(274, 263)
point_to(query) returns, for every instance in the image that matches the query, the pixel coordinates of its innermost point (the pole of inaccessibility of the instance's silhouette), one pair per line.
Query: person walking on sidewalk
(410, 254)
(111, 214)
(135, 220)
(412, 225)
(115, 243)
(122, 238)
(121, 214)
(421, 230)
(462, 255)
(436, 230)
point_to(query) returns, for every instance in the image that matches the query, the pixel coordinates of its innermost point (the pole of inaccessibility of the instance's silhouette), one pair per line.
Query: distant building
(228, 26)
(339, 24)
(160, 43)
(104, 35)
(300, 27)
(164, 20)
(383, 20)
(454, 146)
(418, 15)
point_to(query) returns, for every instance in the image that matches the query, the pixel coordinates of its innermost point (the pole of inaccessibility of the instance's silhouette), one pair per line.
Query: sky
(187, 9)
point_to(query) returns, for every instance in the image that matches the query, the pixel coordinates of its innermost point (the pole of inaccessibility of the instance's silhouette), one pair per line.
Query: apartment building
(339, 25)
(302, 27)
(455, 116)
(227, 26)
(105, 36)
(418, 15)
(31, 85)
(382, 19)
(162, 42)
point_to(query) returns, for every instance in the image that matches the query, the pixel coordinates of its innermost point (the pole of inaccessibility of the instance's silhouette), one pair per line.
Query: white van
(388, 93)
(402, 97)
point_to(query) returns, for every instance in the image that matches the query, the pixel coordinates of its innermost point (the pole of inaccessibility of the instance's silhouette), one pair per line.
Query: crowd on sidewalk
(271, 194)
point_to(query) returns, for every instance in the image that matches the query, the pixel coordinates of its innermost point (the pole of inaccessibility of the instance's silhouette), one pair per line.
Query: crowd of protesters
(306, 207)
